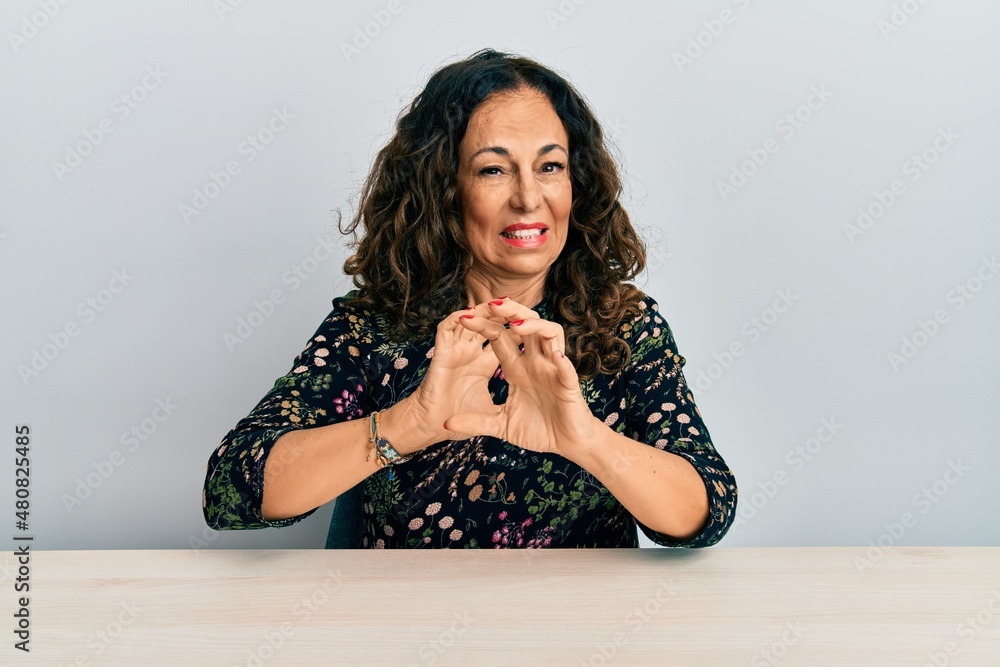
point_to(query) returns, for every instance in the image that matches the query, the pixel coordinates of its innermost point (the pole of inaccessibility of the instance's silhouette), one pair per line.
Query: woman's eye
(489, 171)
(553, 166)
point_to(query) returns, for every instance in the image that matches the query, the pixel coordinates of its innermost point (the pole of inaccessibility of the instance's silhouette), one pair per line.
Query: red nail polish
(504, 297)
(516, 323)
(471, 308)
(497, 302)
(466, 317)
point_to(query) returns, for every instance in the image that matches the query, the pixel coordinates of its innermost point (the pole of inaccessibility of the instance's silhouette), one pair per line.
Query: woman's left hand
(545, 409)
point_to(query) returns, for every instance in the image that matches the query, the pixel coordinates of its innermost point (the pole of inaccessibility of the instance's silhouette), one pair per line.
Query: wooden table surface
(718, 606)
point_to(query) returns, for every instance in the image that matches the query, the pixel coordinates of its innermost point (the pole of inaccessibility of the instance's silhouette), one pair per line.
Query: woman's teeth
(523, 233)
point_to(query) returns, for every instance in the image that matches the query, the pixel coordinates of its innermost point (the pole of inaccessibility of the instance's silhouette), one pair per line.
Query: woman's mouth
(520, 236)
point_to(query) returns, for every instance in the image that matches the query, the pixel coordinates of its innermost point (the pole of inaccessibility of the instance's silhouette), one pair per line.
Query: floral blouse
(479, 492)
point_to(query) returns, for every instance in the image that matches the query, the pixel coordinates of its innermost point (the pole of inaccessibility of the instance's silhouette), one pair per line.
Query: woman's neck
(479, 289)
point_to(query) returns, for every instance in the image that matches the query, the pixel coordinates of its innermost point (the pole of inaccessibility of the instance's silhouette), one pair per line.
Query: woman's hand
(456, 381)
(545, 409)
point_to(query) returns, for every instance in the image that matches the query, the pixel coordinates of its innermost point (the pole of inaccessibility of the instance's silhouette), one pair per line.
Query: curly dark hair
(411, 261)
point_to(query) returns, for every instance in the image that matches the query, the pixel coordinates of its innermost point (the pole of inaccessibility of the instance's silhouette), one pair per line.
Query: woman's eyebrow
(500, 150)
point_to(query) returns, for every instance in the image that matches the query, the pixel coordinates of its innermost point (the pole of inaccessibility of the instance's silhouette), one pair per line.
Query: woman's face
(514, 187)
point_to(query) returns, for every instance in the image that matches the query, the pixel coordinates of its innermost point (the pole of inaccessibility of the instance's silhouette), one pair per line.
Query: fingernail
(471, 308)
(516, 323)
(504, 297)
(561, 355)
(466, 317)
(497, 302)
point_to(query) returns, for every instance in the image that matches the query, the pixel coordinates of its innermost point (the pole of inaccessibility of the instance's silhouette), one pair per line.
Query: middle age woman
(495, 380)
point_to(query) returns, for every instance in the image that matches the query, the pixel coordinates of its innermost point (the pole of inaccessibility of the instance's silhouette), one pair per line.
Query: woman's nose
(527, 194)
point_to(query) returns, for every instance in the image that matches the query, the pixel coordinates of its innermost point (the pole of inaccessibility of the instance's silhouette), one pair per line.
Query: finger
(568, 377)
(474, 423)
(540, 336)
(511, 310)
(501, 340)
(484, 310)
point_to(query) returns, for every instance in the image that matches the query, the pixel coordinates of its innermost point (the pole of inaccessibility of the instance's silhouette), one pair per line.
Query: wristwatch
(385, 453)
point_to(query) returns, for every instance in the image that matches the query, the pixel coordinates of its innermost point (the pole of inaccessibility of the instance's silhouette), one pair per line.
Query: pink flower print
(693, 431)
(655, 417)
(430, 353)
(415, 523)
(669, 407)
(611, 419)
(380, 543)
(502, 515)
(222, 449)
(319, 339)
(388, 530)
(433, 509)
(319, 361)
(400, 363)
(322, 352)
(347, 403)
(683, 418)
(455, 534)
(300, 369)
(427, 540)
(446, 522)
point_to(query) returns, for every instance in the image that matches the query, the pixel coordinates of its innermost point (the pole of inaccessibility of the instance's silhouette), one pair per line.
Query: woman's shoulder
(356, 311)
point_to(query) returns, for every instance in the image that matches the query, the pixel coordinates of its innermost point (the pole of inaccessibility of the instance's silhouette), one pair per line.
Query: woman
(494, 380)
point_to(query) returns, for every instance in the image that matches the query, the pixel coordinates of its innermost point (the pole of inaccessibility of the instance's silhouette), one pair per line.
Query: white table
(717, 606)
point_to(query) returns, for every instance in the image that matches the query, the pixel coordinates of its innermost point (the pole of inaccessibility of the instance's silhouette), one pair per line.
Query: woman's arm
(659, 462)
(663, 491)
(310, 467)
(307, 441)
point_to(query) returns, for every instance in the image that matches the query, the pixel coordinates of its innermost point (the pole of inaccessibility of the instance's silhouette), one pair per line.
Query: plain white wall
(690, 93)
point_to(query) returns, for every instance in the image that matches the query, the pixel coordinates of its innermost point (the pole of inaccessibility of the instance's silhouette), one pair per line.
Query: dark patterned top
(480, 492)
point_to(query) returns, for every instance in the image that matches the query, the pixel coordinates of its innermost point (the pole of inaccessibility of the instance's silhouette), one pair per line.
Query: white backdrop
(817, 183)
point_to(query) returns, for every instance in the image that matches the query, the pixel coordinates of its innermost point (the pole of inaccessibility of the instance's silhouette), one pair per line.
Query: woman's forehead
(521, 120)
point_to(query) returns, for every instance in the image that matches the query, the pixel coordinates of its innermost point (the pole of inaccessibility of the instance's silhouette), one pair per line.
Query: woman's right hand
(456, 382)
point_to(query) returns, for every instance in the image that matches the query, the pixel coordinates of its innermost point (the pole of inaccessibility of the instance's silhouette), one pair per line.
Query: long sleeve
(325, 385)
(660, 411)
